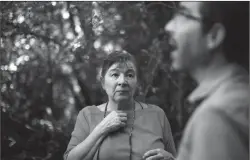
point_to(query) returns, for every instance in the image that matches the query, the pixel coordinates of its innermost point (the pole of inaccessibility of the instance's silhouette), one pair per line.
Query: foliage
(50, 58)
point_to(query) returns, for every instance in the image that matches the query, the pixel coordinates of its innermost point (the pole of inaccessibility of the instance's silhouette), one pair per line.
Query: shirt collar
(212, 82)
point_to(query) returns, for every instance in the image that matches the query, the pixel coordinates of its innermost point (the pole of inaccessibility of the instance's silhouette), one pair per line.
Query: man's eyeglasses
(181, 12)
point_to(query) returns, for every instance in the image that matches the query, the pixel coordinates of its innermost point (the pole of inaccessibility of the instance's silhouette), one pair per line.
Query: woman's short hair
(117, 57)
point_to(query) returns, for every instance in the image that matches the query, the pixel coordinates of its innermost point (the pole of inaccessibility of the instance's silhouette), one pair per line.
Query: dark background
(50, 56)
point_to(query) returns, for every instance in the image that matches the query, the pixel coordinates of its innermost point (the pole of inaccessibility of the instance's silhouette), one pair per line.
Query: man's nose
(169, 27)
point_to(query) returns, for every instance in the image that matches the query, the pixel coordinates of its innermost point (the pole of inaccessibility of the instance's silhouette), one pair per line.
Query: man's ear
(216, 36)
(102, 82)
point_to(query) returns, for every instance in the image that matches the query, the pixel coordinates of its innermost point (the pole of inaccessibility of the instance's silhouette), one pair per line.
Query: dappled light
(51, 53)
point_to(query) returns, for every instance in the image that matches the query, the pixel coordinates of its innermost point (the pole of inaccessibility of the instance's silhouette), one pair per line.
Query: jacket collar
(212, 82)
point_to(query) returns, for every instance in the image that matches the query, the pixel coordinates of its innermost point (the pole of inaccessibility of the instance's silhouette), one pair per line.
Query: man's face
(186, 37)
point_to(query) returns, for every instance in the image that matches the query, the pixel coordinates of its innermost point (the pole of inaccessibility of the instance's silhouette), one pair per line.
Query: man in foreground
(205, 38)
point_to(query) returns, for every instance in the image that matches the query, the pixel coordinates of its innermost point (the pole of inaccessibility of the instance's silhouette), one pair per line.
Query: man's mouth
(172, 44)
(123, 91)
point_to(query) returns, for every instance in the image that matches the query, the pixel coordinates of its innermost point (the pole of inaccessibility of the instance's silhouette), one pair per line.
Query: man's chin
(176, 67)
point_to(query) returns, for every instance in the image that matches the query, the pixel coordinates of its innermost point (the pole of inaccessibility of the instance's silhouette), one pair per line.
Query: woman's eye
(130, 75)
(114, 75)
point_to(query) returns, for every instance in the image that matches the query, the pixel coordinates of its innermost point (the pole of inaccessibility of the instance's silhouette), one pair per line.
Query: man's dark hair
(235, 18)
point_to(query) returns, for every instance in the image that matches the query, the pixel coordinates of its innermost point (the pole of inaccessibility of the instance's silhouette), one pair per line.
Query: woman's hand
(158, 154)
(114, 121)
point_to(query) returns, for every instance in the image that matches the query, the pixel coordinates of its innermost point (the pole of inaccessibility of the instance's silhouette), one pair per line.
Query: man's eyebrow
(183, 8)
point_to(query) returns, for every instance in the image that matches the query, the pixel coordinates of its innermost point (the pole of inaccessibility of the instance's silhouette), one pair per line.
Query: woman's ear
(216, 36)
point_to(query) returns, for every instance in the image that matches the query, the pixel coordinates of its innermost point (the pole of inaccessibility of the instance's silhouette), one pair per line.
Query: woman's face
(120, 81)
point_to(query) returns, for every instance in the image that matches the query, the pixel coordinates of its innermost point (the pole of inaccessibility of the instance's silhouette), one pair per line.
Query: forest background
(50, 58)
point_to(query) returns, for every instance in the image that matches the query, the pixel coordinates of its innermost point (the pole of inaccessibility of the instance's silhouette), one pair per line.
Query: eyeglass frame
(191, 17)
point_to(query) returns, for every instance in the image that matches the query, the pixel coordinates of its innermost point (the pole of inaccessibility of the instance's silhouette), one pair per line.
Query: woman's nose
(122, 80)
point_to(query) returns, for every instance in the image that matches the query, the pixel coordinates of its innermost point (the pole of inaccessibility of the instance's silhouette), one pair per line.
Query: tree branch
(27, 31)
(71, 18)
(4, 5)
(172, 5)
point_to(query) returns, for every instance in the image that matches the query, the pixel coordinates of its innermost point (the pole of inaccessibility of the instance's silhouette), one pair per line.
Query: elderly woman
(121, 128)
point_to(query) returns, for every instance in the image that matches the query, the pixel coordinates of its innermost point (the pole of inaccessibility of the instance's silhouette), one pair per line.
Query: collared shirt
(219, 127)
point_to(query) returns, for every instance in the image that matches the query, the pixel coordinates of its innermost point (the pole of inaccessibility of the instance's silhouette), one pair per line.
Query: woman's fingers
(157, 154)
(123, 124)
(150, 153)
(123, 119)
(122, 114)
(155, 157)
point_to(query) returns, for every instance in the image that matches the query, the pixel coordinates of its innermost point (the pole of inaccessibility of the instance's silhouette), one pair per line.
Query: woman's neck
(122, 105)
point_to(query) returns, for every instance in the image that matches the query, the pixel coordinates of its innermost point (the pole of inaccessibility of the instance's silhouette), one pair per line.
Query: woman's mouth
(123, 92)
